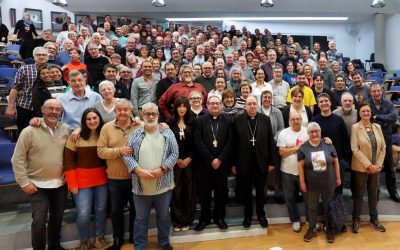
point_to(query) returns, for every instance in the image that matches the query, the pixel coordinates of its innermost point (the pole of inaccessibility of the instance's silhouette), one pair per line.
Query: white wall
(20, 5)
(392, 38)
(351, 45)
(364, 40)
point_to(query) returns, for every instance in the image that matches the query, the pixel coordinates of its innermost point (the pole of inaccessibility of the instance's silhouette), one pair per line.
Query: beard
(151, 123)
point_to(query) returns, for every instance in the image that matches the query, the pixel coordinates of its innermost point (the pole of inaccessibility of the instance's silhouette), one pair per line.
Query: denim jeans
(143, 204)
(84, 202)
(290, 185)
(120, 195)
(47, 207)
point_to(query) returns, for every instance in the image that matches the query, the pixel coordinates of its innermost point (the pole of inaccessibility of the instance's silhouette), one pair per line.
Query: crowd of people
(147, 116)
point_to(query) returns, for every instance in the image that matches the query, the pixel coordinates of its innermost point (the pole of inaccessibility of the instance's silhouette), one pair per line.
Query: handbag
(337, 212)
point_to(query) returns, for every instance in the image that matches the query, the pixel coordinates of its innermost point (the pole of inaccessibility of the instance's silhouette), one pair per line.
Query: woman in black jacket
(25, 28)
(40, 91)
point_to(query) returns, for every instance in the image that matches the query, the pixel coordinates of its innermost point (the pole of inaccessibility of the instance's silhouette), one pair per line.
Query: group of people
(131, 128)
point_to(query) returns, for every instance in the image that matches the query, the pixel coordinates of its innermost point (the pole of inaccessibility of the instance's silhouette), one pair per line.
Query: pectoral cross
(253, 141)
(215, 143)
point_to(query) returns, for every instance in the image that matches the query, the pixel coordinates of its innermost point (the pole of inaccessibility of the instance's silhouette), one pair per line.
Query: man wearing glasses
(180, 89)
(213, 142)
(155, 153)
(38, 168)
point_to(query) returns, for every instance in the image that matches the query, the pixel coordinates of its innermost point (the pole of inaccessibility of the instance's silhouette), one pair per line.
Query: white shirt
(288, 138)
(256, 92)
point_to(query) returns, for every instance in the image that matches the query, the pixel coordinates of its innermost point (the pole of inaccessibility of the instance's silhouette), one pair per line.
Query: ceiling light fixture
(220, 19)
(378, 4)
(267, 3)
(158, 3)
(61, 3)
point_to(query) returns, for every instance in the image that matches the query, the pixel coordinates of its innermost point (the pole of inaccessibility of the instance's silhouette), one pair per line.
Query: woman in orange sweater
(74, 64)
(86, 178)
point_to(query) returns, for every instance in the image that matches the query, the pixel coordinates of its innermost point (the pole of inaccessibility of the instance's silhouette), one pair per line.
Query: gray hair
(105, 82)
(150, 105)
(46, 103)
(50, 43)
(236, 68)
(185, 67)
(74, 73)
(123, 101)
(346, 94)
(313, 125)
(40, 49)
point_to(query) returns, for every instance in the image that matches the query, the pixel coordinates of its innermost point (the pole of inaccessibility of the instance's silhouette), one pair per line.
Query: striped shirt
(23, 83)
(169, 159)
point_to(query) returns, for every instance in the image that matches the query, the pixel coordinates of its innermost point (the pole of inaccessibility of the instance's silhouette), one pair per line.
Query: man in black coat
(213, 142)
(253, 157)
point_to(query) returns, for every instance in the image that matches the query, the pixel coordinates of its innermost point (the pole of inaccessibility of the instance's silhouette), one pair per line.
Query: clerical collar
(214, 117)
(251, 118)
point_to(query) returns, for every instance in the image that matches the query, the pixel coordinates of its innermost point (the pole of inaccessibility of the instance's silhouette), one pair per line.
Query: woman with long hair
(40, 90)
(183, 204)
(86, 178)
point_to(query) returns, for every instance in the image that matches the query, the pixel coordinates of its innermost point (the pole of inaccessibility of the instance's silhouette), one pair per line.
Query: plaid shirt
(23, 83)
(170, 157)
(335, 56)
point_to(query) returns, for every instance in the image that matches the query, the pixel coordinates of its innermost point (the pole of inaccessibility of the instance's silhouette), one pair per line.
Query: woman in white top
(220, 86)
(260, 85)
(107, 105)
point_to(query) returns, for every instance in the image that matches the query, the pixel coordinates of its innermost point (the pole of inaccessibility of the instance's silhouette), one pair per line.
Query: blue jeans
(47, 207)
(84, 201)
(143, 204)
(290, 185)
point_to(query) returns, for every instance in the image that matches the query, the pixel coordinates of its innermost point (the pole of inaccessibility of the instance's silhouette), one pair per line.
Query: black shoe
(278, 199)
(356, 225)
(330, 237)
(246, 222)
(343, 229)
(130, 240)
(167, 247)
(201, 226)
(309, 235)
(221, 224)
(117, 244)
(263, 221)
(377, 225)
(395, 196)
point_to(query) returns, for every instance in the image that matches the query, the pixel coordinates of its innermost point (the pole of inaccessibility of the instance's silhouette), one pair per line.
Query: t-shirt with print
(318, 168)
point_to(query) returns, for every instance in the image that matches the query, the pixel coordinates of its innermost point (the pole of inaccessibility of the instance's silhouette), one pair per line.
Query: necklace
(215, 142)
(252, 140)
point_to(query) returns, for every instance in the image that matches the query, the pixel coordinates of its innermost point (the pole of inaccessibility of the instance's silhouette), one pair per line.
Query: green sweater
(38, 155)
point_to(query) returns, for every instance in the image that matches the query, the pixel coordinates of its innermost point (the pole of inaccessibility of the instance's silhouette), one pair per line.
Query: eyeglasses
(53, 109)
(214, 103)
(127, 72)
(195, 98)
(314, 131)
(148, 114)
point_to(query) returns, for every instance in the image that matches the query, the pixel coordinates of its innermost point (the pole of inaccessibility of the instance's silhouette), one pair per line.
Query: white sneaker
(177, 229)
(296, 227)
(185, 228)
